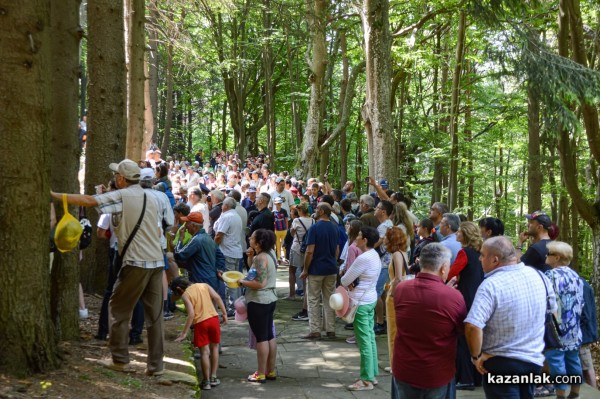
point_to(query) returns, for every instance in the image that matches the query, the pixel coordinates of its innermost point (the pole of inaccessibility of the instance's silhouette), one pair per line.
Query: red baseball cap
(195, 217)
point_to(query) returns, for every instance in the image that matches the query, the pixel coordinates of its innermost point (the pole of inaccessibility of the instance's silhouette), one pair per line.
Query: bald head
(497, 252)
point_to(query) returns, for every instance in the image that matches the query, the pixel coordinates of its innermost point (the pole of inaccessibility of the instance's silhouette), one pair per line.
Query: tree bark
(317, 11)
(106, 118)
(169, 102)
(27, 335)
(267, 58)
(136, 80)
(377, 111)
(153, 63)
(534, 159)
(570, 21)
(297, 122)
(454, 111)
(66, 34)
(343, 91)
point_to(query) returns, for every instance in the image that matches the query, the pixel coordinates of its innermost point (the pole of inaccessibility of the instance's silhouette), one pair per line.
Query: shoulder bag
(551, 328)
(351, 313)
(120, 256)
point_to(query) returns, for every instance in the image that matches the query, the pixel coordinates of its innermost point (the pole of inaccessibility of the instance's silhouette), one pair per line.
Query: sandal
(272, 376)
(257, 378)
(361, 385)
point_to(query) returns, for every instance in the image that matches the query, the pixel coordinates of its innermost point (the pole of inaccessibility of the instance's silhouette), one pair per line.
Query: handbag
(351, 313)
(353, 307)
(552, 333)
(120, 256)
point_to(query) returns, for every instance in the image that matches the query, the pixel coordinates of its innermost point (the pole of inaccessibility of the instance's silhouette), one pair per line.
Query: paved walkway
(307, 369)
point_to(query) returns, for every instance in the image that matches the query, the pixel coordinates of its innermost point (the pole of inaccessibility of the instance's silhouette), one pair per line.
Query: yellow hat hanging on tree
(68, 230)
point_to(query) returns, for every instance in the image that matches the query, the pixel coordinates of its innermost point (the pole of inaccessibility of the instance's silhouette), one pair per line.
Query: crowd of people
(456, 299)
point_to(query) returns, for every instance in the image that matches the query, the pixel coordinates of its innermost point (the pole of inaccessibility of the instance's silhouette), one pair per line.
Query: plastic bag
(68, 230)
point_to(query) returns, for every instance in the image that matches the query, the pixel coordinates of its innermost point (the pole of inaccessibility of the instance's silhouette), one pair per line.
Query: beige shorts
(585, 355)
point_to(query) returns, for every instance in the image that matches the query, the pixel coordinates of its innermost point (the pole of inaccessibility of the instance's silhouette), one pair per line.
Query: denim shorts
(383, 279)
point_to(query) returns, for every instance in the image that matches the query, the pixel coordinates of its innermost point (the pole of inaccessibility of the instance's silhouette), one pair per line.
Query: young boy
(281, 225)
(198, 300)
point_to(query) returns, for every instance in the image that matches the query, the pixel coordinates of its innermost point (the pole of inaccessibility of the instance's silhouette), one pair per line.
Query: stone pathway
(307, 369)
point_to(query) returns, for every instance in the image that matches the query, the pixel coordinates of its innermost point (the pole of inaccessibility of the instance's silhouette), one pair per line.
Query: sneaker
(154, 373)
(300, 292)
(351, 340)
(257, 378)
(380, 329)
(231, 313)
(284, 262)
(214, 381)
(205, 385)
(300, 316)
(83, 314)
(349, 326)
(122, 367)
(272, 376)
(168, 316)
(135, 341)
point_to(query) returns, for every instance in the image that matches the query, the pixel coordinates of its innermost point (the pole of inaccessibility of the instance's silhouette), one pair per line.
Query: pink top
(353, 252)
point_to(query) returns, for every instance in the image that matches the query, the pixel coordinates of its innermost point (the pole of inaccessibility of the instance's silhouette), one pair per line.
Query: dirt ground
(81, 377)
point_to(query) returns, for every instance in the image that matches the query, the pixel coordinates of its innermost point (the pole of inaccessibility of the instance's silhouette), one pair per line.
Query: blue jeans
(563, 363)
(402, 390)
(112, 277)
(506, 366)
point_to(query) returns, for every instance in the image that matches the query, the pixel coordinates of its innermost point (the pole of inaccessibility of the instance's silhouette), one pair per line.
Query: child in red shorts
(198, 300)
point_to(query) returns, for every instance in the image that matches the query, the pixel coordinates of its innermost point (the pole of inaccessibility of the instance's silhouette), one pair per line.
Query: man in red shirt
(429, 317)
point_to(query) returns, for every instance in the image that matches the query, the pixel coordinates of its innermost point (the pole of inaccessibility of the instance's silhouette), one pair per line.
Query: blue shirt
(510, 308)
(324, 236)
(454, 246)
(202, 258)
(568, 288)
(589, 320)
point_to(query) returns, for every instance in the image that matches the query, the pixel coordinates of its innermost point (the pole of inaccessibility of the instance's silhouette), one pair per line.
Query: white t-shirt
(300, 231)
(230, 224)
(203, 209)
(365, 269)
(105, 224)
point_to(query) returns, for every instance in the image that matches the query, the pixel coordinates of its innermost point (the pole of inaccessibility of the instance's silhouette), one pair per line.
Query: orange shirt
(199, 295)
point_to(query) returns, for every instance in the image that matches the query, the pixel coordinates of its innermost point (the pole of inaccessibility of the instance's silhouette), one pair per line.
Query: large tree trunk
(169, 102)
(149, 130)
(27, 337)
(569, 21)
(297, 122)
(136, 80)
(106, 120)
(459, 57)
(438, 168)
(310, 146)
(343, 91)
(534, 159)
(66, 34)
(153, 63)
(268, 72)
(377, 111)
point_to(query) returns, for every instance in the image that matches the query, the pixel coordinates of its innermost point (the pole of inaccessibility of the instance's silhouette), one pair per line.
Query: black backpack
(86, 236)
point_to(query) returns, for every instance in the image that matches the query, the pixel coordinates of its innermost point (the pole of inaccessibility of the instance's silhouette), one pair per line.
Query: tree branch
(345, 119)
(419, 24)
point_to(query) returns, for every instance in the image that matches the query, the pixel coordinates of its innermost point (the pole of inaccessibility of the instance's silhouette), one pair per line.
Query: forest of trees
(490, 106)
